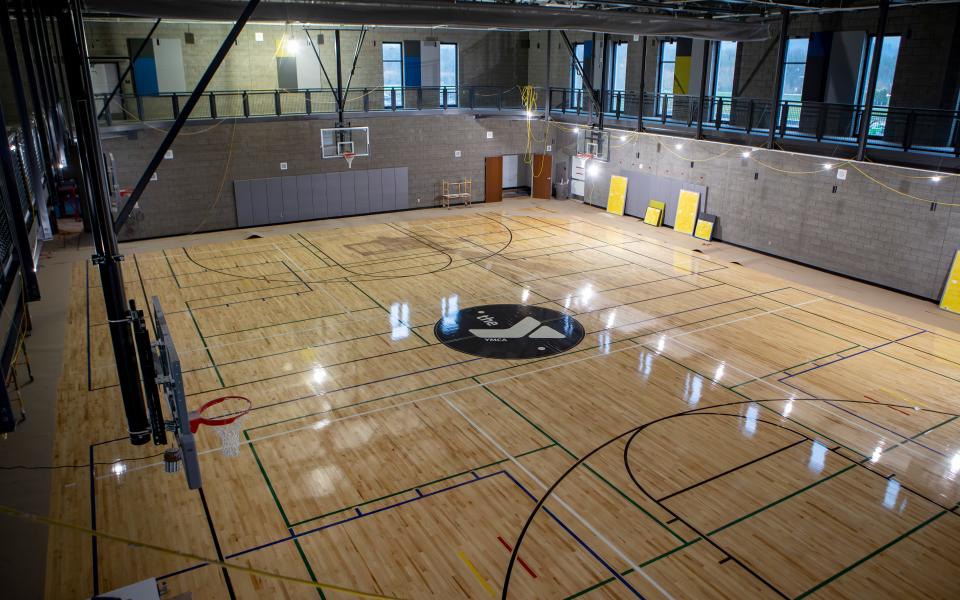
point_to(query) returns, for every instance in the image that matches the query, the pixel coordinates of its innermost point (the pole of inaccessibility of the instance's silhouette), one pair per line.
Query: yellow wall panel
(617, 197)
(687, 208)
(653, 217)
(951, 293)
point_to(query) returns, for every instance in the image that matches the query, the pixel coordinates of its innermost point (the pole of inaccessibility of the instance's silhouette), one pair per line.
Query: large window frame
(453, 93)
(667, 56)
(878, 120)
(395, 99)
(617, 75)
(576, 81)
(796, 47)
(725, 57)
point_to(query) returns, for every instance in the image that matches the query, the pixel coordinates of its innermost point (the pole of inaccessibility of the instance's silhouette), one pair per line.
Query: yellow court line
(476, 574)
(903, 398)
(19, 514)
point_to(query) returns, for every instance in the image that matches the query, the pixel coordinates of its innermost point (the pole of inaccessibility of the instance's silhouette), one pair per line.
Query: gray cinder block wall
(485, 58)
(787, 206)
(194, 190)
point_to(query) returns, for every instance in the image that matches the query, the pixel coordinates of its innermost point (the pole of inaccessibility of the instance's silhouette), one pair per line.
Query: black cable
(52, 467)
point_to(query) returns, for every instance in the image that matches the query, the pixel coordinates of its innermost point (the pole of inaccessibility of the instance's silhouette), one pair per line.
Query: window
(448, 72)
(576, 82)
(889, 50)
(794, 66)
(668, 63)
(392, 75)
(723, 70)
(617, 75)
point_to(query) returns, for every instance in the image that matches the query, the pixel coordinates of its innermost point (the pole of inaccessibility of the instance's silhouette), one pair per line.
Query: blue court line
(871, 349)
(613, 571)
(295, 536)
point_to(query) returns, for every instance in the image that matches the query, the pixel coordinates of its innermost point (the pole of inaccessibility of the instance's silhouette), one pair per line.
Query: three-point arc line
(523, 564)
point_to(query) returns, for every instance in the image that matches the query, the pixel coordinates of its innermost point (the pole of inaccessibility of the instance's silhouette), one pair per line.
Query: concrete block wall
(194, 190)
(485, 58)
(788, 208)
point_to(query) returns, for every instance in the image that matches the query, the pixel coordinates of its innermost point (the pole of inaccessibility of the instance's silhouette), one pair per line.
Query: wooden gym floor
(718, 433)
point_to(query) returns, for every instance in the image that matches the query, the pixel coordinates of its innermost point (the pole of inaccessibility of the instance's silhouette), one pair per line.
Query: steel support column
(336, 40)
(129, 68)
(184, 113)
(603, 77)
(15, 217)
(703, 87)
(778, 80)
(94, 190)
(643, 82)
(353, 67)
(864, 132)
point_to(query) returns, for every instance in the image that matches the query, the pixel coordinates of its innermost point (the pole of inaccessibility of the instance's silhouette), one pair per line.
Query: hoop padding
(227, 427)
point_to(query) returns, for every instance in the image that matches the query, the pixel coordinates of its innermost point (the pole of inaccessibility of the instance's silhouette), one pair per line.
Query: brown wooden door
(542, 176)
(493, 179)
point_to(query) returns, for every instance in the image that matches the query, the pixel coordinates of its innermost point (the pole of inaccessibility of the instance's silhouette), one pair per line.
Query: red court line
(903, 412)
(519, 560)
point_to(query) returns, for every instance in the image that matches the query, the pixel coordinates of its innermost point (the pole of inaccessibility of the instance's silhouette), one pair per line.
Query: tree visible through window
(794, 67)
(889, 51)
(392, 74)
(723, 73)
(448, 72)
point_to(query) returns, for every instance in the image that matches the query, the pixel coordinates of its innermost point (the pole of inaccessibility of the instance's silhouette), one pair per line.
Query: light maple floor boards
(783, 457)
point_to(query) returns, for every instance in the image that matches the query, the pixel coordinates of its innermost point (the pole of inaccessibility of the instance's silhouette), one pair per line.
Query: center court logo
(509, 331)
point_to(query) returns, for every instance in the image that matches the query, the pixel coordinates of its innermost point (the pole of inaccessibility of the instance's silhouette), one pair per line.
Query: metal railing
(890, 128)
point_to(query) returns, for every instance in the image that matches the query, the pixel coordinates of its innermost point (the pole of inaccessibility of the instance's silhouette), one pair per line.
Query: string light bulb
(936, 179)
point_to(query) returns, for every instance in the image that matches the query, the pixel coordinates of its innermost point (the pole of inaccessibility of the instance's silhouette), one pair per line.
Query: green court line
(410, 489)
(273, 493)
(575, 457)
(306, 563)
(173, 273)
(626, 572)
(906, 362)
(808, 326)
(209, 355)
(793, 366)
(856, 564)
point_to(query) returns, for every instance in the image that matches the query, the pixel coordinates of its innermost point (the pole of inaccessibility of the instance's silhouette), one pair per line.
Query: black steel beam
(643, 82)
(778, 79)
(181, 120)
(864, 132)
(353, 67)
(129, 68)
(703, 87)
(15, 217)
(336, 38)
(323, 69)
(579, 67)
(92, 178)
(603, 75)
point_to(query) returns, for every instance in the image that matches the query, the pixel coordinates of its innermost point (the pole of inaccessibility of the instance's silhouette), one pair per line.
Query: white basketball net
(349, 156)
(230, 437)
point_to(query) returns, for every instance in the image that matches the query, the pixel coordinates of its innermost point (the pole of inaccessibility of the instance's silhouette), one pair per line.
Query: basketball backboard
(337, 141)
(595, 142)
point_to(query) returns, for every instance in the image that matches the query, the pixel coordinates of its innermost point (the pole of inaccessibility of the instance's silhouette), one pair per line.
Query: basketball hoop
(349, 156)
(585, 155)
(226, 426)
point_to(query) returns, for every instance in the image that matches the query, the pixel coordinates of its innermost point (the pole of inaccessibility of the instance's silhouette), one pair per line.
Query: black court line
(216, 543)
(729, 471)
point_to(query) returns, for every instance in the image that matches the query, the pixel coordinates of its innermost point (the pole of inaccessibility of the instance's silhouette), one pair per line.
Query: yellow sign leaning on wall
(617, 197)
(687, 208)
(951, 292)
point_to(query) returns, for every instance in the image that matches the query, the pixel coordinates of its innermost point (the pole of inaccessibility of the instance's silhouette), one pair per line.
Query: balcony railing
(890, 128)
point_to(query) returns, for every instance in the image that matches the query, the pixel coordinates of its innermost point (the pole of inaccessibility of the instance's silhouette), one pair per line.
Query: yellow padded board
(687, 209)
(951, 293)
(617, 197)
(704, 230)
(653, 217)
